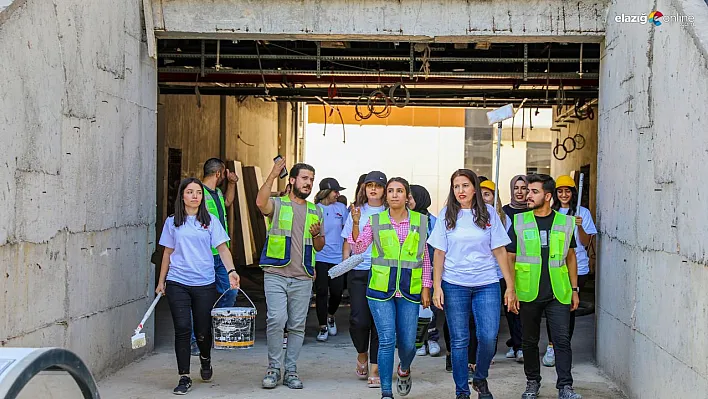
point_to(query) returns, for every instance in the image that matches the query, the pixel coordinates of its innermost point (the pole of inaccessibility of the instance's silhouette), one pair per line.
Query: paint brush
(138, 340)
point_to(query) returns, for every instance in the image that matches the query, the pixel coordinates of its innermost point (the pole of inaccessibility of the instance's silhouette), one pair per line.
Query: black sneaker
(185, 384)
(532, 389)
(206, 371)
(482, 389)
(448, 363)
(462, 396)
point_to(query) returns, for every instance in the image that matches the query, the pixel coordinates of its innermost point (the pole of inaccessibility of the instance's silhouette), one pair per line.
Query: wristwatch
(231, 271)
(576, 289)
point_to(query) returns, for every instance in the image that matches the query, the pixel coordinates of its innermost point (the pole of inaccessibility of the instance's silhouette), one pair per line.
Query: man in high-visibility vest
(546, 279)
(288, 261)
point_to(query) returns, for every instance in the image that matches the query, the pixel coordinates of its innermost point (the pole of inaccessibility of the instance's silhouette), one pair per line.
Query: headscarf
(514, 203)
(421, 198)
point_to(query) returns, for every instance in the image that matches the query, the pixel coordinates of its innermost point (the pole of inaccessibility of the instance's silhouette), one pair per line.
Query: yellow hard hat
(488, 184)
(565, 181)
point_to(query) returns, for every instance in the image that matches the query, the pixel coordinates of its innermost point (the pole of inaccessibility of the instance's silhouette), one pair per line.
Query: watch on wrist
(231, 271)
(576, 289)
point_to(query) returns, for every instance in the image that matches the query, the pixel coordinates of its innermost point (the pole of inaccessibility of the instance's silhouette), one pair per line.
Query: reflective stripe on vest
(528, 256)
(211, 207)
(276, 251)
(406, 261)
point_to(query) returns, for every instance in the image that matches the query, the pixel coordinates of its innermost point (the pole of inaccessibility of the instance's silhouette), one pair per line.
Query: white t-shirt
(508, 226)
(469, 260)
(581, 254)
(192, 262)
(366, 211)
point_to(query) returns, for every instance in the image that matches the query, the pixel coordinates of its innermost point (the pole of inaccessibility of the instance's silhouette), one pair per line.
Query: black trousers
(514, 321)
(558, 317)
(361, 324)
(327, 287)
(187, 302)
(581, 283)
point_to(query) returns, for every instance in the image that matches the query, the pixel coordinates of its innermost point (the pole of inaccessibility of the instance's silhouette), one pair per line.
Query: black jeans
(558, 317)
(581, 283)
(324, 287)
(187, 302)
(361, 324)
(514, 321)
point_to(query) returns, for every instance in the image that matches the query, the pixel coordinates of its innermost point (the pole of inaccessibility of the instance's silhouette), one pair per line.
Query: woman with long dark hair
(565, 201)
(469, 240)
(187, 276)
(362, 328)
(399, 281)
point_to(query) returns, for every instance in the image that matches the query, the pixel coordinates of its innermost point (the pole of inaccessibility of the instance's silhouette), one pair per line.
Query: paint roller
(346, 265)
(138, 340)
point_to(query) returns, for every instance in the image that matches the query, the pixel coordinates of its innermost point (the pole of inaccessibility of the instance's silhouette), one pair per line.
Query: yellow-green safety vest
(396, 267)
(211, 207)
(528, 256)
(276, 251)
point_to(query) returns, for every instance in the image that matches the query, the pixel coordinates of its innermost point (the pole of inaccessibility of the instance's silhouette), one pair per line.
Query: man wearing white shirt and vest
(546, 278)
(288, 262)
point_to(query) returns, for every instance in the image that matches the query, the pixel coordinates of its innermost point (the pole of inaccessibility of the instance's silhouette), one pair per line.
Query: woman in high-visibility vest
(469, 240)
(369, 200)
(399, 280)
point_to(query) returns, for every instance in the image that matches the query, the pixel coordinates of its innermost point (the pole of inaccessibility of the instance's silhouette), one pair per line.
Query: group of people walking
(467, 262)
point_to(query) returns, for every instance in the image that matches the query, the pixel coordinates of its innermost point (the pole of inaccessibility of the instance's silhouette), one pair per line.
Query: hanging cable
(324, 112)
(260, 66)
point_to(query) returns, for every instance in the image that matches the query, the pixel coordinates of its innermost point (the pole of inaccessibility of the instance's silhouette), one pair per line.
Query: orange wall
(409, 116)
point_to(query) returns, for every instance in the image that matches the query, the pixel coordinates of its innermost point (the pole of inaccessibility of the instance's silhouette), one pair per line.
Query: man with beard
(288, 262)
(546, 279)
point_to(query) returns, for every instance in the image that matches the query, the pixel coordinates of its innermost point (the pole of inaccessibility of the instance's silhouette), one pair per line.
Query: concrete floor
(327, 369)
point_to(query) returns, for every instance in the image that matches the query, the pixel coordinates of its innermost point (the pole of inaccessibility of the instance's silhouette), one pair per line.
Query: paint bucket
(425, 316)
(233, 328)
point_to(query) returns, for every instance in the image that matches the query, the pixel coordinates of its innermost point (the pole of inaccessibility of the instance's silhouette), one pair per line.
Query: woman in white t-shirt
(565, 201)
(469, 241)
(370, 201)
(187, 276)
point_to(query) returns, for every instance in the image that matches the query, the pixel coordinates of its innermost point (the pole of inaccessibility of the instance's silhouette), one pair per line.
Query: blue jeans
(484, 304)
(396, 320)
(222, 285)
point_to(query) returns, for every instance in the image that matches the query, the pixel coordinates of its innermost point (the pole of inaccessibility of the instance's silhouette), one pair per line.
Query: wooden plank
(258, 224)
(241, 230)
(150, 29)
(260, 181)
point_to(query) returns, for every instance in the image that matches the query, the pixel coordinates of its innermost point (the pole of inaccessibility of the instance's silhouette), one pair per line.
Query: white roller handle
(149, 312)
(580, 193)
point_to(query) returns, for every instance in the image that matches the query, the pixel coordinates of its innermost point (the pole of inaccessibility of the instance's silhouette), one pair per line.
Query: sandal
(362, 369)
(374, 382)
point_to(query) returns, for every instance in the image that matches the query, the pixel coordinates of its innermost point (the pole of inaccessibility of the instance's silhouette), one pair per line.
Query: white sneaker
(323, 334)
(433, 348)
(422, 351)
(511, 354)
(549, 359)
(520, 356)
(331, 326)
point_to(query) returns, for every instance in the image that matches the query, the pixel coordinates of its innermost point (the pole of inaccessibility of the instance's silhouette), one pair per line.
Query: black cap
(329, 183)
(376, 177)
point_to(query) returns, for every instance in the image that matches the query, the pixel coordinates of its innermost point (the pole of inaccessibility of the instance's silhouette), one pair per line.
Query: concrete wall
(252, 132)
(652, 309)
(464, 20)
(77, 106)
